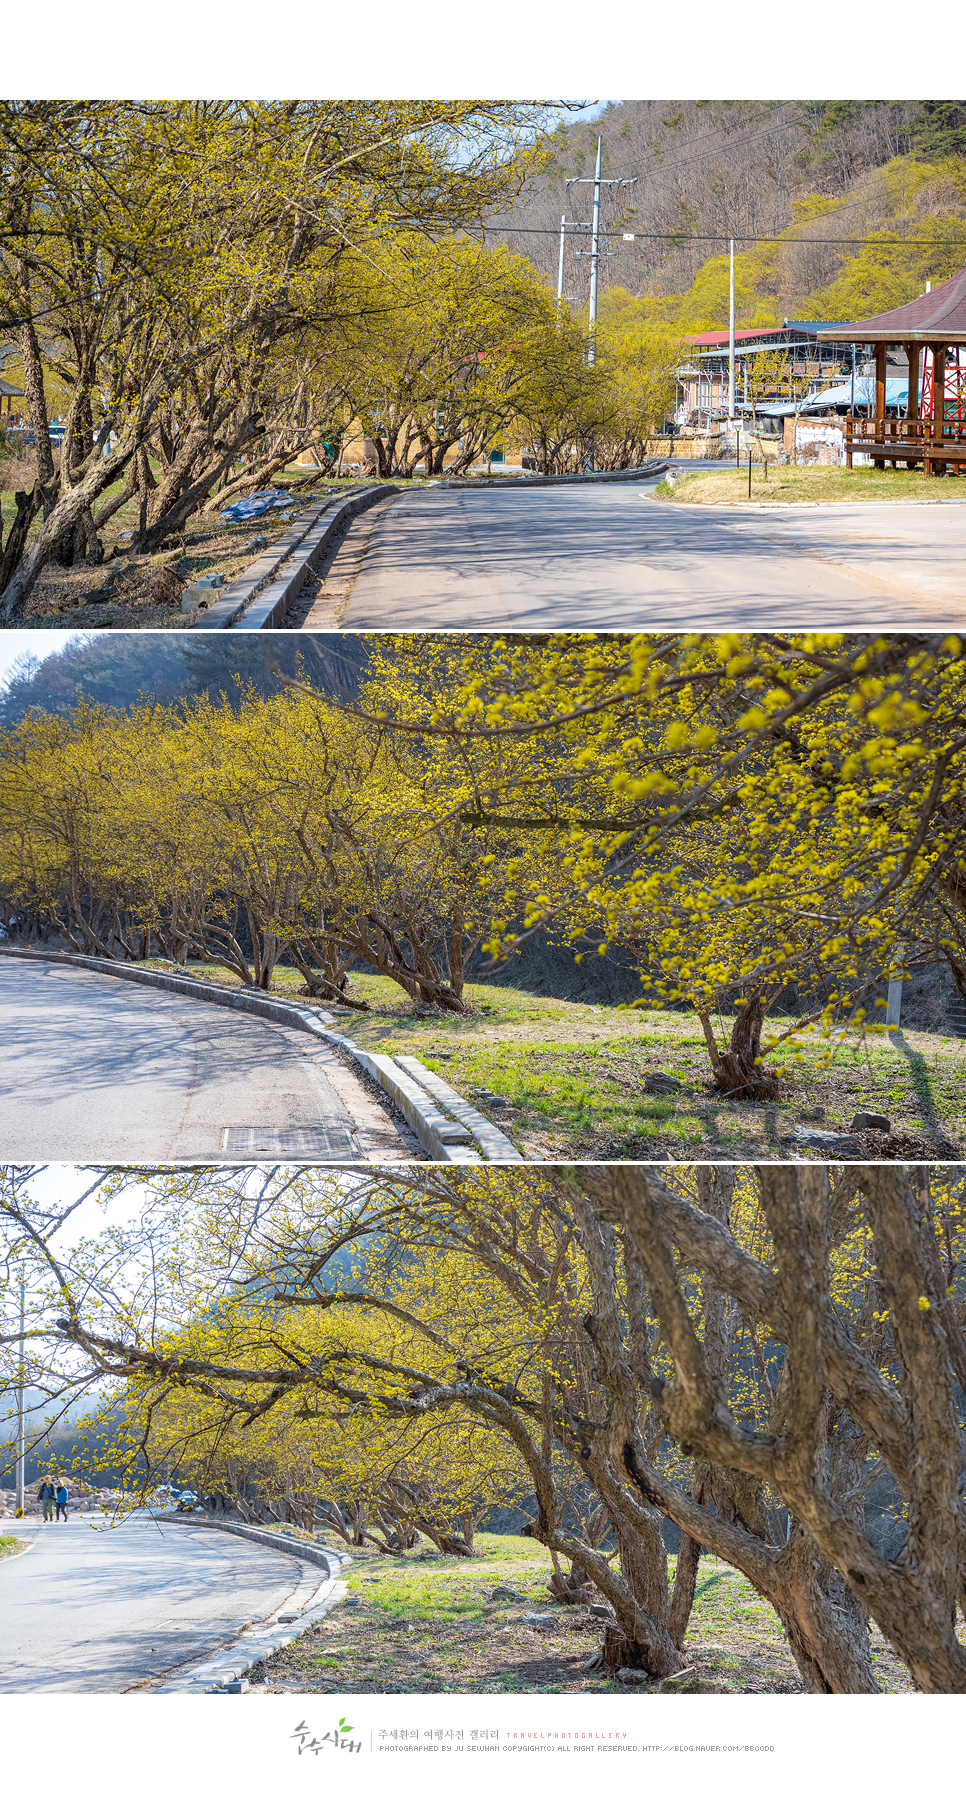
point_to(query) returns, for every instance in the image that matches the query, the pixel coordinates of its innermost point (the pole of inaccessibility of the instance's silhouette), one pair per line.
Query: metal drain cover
(308, 1143)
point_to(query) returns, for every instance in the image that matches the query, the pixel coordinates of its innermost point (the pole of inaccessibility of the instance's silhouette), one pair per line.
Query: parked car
(22, 436)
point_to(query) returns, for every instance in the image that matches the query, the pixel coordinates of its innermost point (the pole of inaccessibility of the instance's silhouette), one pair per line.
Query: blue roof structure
(897, 394)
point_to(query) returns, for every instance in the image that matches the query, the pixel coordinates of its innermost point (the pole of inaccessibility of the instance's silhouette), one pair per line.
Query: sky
(40, 643)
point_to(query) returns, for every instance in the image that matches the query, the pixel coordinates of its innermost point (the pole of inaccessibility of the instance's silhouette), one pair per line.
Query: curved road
(96, 1069)
(611, 557)
(98, 1612)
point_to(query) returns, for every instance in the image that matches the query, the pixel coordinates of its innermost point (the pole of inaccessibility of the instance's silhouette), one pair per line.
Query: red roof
(714, 338)
(938, 317)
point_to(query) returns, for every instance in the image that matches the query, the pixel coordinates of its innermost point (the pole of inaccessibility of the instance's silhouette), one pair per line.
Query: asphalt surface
(93, 1068)
(612, 557)
(101, 1611)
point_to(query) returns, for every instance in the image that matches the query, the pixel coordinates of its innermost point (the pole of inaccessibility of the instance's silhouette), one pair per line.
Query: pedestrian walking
(61, 1499)
(45, 1494)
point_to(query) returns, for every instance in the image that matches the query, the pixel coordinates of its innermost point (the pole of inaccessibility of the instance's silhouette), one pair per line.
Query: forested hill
(121, 668)
(710, 170)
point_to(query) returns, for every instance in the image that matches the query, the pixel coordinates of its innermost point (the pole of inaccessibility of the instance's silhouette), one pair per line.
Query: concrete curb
(497, 1147)
(12, 1555)
(328, 1560)
(797, 505)
(226, 1670)
(644, 473)
(256, 602)
(419, 1095)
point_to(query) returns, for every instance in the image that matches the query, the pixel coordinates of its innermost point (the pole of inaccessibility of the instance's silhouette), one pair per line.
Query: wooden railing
(908, 441)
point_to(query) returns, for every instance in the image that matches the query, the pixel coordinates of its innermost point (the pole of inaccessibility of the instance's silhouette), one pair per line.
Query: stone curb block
(430, 1125)
(272, 605)
(225, 1671)
(239, 608)
(497, 1147)
(246, 585)
(437, 1134)
(644, 473)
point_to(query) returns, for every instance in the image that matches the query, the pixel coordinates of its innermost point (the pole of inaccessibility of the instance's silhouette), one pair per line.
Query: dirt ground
(126, 592)
(428, 1624)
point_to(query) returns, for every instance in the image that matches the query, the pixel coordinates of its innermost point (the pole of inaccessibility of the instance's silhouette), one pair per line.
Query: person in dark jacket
(45, 1494)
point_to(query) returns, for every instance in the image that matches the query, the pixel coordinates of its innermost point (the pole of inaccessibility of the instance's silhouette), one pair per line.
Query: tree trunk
(643, 1561)
(826, 1626)
(685, 1582)
(738, 1070)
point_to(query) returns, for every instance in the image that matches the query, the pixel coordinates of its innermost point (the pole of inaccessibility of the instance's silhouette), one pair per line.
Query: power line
(720, 237)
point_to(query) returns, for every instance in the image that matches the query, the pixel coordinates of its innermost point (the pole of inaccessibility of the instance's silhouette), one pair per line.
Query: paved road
(97, 1069)
(96, 1612)
(612, 557)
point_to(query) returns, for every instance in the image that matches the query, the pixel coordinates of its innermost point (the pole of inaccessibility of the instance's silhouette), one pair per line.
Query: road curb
(503, 482)
(26, 1544)
(797, 505)
(257, 602)
(419, 1095)
(219, 1673)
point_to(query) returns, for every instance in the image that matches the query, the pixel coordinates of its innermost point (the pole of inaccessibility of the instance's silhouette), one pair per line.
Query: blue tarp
(255, 504)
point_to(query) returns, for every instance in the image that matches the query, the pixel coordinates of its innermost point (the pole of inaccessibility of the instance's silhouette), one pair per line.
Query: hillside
(124, 667)
(710, 170)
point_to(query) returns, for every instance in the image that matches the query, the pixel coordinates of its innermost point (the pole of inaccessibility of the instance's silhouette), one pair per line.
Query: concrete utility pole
(20, 1408)
(595, 251)
(563, 226)
(894, 1001)
(731, 339)
(594, 261)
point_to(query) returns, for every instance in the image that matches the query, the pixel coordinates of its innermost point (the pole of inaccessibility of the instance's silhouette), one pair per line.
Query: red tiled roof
(938, 317)
(713, 338)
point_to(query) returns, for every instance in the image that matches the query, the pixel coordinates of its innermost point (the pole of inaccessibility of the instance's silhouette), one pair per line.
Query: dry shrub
(18, 465)
(17, 472)
(163, 586)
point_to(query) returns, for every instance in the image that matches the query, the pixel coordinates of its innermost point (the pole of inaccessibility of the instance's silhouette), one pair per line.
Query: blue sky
(39, 643)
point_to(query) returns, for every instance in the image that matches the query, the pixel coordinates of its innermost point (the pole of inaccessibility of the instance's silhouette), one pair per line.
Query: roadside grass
(571, 1075)
(10, 1546)
(429, 1624)
(808, 482)
(75, 598)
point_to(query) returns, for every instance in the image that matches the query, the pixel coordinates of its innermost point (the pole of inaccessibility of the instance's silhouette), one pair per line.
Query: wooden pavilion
(932, 331)
(9, 393)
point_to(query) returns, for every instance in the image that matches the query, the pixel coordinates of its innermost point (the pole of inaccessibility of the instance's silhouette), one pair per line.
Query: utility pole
(731, 339)
(595, 251)
(894, 1000)
(20, 1409)
(594, 261)
(563, 227)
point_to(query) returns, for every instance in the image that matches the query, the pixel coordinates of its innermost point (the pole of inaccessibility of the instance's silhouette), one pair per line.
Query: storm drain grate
(309, 1143)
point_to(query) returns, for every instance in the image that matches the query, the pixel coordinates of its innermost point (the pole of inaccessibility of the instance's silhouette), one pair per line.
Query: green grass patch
(429, 1624)
(722, 487)
(10, 1546)
(571, 1074)
(423, 1584)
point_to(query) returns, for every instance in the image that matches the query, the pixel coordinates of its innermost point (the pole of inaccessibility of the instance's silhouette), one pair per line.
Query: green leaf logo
(343, 1726)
